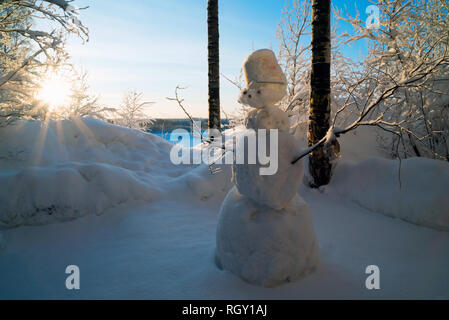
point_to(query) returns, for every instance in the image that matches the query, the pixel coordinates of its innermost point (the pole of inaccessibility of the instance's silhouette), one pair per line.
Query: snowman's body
(265, 233)
(267, 118)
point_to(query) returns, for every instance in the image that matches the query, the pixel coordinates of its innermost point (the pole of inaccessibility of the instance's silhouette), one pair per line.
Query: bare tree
(319, 113)
(294, 35)
(294, 53)
(132, 110)
(83, 102)
(214, 69)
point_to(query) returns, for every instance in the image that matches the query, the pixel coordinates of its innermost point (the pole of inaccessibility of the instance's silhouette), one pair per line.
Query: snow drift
(415, 189)
(65, 169)
(71, 168)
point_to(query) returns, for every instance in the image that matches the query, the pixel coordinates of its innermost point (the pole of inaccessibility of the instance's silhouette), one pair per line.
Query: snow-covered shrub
(402, 86)
(132, 111)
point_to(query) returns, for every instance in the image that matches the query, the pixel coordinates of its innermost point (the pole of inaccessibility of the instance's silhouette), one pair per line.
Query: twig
(180, 101)
(203, 139)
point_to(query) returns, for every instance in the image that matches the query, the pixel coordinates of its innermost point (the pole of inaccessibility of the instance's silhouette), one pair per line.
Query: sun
(54, 91)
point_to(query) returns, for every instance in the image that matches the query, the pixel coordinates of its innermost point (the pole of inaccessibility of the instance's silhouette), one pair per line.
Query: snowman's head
(260, 95)
(266, 83)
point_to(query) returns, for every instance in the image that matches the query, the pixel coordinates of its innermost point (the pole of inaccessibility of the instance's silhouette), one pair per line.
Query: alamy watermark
(248, 147)
(72, 282)
(373, 19)
(373, 280)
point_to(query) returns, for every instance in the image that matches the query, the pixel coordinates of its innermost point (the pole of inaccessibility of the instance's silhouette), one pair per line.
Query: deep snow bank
(70, 168)
(417, 193)
(66, 169)
(365, 176)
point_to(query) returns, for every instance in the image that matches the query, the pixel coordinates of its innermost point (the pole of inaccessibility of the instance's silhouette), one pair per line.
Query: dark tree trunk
(214, 70)
(319, 114)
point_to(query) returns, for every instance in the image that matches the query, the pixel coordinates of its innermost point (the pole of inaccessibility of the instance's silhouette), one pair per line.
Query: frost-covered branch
(28, 49)
(294, 51)
(204, 140)
(180, 102)
(403, 84)
(132, 110)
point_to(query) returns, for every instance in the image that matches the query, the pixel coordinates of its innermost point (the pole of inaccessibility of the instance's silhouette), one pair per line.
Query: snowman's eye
(258, 91)
(245, 92)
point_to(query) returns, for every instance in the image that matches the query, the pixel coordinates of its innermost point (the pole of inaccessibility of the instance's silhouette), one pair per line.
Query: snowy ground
(162, 247)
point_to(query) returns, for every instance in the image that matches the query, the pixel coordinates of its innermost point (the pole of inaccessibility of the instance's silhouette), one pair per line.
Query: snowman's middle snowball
(276, 190)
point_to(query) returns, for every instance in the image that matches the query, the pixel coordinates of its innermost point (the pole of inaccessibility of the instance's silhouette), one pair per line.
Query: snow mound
(203, 184)
(417, 193)
(262, 245)
(66, 169)
(39, 195)
(34, 143)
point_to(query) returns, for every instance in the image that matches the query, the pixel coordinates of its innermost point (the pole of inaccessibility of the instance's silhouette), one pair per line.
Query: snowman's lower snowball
(265, 246)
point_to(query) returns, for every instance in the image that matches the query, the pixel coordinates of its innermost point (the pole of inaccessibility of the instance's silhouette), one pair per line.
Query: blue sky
(153, 45)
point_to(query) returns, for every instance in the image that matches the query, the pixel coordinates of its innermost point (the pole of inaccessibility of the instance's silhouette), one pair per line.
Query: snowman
(265, 233)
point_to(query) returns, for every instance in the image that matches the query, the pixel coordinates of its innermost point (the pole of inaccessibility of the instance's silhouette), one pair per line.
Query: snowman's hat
(261, 66)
